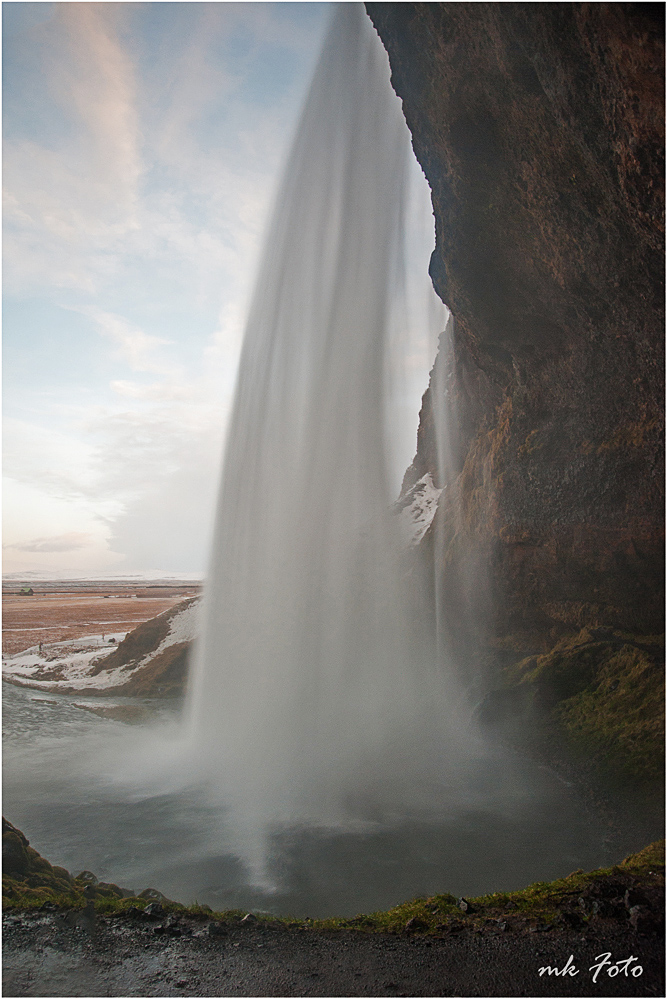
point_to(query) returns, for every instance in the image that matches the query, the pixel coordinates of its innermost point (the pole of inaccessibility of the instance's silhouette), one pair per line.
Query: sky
(142, 146)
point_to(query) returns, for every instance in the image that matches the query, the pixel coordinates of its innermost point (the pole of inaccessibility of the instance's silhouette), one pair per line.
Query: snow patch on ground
(68, 665)
(417, 509)
(62, 664)
(182, 628)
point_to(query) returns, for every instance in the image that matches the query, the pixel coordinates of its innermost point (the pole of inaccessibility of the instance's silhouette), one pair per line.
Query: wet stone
(87, 876)
(416, 924)
(644, 921)
(216, 930)
(153, 894)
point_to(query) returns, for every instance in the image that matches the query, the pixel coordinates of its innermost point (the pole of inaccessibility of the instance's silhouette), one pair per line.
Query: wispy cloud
(174, 171)
(70, 542)
(155, 392)
(138, 349)
(58, 461)
(138, 175)
(97, 81)
(79, 191)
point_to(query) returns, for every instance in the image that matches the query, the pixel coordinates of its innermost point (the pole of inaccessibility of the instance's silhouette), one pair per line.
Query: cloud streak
(97, 81)
(70, 542)
(138, 349)
(141, 148)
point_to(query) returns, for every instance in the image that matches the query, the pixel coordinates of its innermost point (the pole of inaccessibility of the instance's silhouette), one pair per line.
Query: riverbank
(67, 936)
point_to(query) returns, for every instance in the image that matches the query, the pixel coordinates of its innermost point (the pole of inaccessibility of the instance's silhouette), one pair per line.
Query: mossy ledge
(602, 690)
(630, 893)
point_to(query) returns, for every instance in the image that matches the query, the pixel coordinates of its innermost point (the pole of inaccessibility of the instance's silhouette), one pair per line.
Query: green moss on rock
(606, 691)
(29, 880)
(25, 871)
(620, 714)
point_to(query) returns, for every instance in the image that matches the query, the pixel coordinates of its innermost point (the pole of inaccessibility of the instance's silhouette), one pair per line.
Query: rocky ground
(66, 954)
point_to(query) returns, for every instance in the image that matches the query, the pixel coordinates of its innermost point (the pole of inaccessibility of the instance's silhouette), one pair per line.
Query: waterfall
(312, 699)
(326, 764)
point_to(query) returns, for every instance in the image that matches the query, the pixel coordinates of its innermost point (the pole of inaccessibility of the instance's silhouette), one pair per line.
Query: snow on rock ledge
(150, 661)
(417, 509)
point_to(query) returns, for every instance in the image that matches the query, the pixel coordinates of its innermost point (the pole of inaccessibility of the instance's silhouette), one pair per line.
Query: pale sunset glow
(142, 145)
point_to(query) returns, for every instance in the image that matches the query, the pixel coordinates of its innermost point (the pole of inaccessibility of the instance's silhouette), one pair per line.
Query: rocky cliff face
(540, 130)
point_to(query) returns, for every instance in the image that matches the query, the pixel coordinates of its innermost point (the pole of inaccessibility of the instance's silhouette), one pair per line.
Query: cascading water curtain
(311, 699)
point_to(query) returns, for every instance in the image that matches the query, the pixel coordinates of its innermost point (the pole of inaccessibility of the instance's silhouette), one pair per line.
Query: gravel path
(51, 954)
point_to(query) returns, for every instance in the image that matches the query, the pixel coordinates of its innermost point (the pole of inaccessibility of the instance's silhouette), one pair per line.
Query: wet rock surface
(23, 866)
(540, 128)
(45, 955)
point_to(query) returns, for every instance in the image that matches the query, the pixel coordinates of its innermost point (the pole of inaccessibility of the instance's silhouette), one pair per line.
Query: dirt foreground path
(59, 954)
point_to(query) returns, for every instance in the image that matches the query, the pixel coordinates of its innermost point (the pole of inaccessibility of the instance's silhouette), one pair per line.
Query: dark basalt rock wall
(540, 130)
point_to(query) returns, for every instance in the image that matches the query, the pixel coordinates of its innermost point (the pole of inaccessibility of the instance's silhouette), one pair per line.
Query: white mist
(312, 700)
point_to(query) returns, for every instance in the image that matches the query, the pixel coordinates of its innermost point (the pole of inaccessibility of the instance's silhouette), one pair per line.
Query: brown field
(58, 615)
